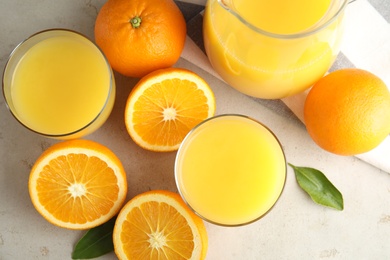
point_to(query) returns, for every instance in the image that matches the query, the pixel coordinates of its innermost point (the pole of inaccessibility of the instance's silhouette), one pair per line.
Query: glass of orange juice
(59, 84)
(272, 49)
(230, 169)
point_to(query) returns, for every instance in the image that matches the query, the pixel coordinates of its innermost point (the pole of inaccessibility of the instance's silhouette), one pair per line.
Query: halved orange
(165, 105)
(78, 184)
(159, 225)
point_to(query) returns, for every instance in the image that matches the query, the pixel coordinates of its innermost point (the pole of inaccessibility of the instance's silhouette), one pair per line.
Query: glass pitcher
(272, 49)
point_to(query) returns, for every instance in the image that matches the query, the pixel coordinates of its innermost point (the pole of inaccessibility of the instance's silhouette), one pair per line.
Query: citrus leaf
(96, 242)
(320, 189)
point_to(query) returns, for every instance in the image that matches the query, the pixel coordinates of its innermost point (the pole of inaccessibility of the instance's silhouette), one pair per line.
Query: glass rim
(312, 30)
(188, 136)
(25, 41)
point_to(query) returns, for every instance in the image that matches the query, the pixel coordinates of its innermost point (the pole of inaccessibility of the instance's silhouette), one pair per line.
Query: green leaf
(320, 189)
(96, 242)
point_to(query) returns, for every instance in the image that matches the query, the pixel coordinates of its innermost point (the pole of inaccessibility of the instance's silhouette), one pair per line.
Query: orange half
(159, 225)
(78, 184)
(165, 105)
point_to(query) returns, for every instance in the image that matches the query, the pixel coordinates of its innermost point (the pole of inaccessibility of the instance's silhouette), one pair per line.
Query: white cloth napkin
(366, 44)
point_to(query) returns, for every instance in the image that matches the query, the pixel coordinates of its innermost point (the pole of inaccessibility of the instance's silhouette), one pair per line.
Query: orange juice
(61, 86)
(230, 170)
(272, 49)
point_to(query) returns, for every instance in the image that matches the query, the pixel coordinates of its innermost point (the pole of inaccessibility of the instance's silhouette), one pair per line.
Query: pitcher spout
(227, 4)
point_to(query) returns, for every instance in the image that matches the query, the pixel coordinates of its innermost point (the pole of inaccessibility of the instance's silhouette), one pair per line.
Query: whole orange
(347, 112)
(140, 36)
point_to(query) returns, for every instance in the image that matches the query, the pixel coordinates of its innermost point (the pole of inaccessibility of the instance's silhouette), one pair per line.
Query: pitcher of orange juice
(272, 49)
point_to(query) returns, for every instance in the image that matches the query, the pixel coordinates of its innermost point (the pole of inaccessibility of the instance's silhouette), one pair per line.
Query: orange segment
(159, 225)
(165, 105)
(78, 184)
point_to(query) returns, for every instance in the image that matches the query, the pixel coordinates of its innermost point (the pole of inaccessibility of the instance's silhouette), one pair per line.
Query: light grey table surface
(296, 228)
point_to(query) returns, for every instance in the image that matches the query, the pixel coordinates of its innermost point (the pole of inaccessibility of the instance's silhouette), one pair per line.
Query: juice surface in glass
(272, 49)
(62, 86)
(230, 170)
